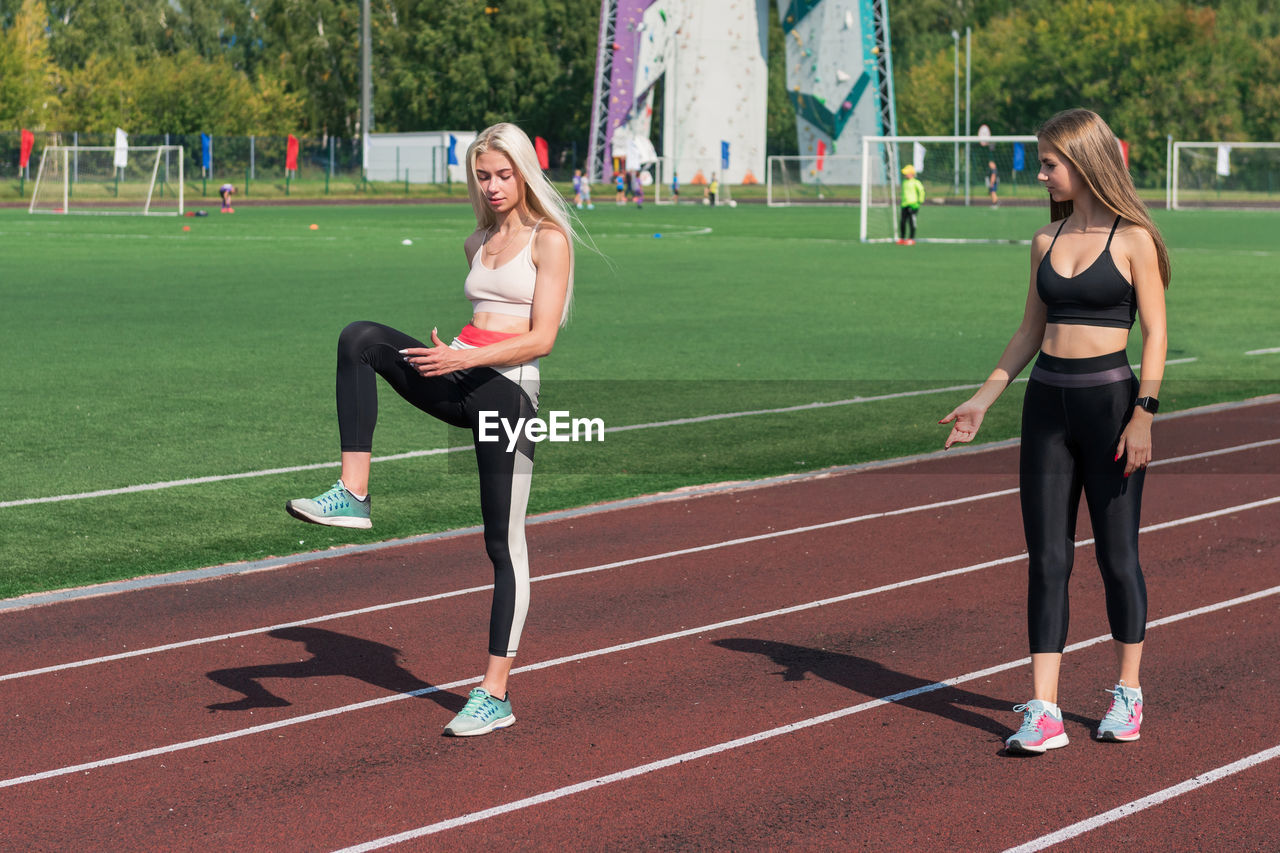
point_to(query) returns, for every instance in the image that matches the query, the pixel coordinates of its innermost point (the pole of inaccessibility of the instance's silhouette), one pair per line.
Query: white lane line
(648, 641)
(697, 549)
(1270, 351)
(1147, 802)
(633, 772)
(588, 570)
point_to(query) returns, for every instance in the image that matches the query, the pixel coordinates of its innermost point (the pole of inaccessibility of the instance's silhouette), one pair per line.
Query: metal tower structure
(598, 144)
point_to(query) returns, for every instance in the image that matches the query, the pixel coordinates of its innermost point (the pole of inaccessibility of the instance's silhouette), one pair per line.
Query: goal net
(109, 180)
(1225, 175)
(959, 206)
(807, 179)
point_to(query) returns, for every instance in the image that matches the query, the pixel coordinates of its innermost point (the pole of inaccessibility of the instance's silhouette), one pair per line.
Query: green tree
(28, 76)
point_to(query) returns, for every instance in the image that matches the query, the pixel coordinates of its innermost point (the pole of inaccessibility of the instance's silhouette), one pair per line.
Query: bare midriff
(1064, 340)
(504, 323)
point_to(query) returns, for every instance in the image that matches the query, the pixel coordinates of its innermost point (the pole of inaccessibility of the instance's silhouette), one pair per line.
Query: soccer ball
(732, 203)
(706, 201)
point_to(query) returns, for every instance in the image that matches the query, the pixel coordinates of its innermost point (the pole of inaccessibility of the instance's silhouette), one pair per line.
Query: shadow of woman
(332, 654)
(876, 681)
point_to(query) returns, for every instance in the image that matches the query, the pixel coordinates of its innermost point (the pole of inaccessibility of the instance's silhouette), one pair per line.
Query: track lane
(558, 732)
(759, 581)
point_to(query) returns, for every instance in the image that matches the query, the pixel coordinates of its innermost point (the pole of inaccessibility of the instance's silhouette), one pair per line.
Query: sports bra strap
(1055, 236)
(1112, 234)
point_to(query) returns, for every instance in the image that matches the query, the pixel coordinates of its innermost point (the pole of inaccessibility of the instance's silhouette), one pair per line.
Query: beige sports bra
(507, 289)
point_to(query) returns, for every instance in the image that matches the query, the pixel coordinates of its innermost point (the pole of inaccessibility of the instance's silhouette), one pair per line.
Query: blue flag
(1019, 157)
(724, 154)
(453, 150)
(206, 152)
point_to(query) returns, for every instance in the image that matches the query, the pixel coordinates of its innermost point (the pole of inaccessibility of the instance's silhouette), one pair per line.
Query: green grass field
(137, 353)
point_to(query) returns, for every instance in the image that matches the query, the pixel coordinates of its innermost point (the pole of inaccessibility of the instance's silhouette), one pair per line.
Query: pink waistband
(472, 336)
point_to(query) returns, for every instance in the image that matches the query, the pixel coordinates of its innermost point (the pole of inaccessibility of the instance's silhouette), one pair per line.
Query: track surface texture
(825, 663)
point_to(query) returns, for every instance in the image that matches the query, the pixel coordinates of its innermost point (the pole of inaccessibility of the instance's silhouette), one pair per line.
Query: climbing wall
(710, 57)
(833, 79)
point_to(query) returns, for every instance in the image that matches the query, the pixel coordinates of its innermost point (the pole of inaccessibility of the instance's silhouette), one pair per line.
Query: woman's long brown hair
(1084, 139)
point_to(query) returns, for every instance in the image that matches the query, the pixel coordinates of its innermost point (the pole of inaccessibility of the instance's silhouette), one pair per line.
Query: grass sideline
(142, 353)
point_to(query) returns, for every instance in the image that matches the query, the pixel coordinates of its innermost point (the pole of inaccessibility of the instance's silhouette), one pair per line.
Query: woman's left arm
(550, 290)
(1135, 441)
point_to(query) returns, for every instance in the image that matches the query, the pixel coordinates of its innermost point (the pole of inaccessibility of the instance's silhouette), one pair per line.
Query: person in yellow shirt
(912, 198)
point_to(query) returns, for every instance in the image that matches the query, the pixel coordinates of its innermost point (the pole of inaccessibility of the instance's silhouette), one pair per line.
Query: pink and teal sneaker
(1041, 729)
(1124, 717)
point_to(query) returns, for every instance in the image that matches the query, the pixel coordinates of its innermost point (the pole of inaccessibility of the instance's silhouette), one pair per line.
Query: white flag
(1224, 160)
(122, 149)
(917, 157)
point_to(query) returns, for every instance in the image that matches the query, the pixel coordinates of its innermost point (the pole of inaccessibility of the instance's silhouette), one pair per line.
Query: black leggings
(907, 223)
(1072, 417)
(368, 350)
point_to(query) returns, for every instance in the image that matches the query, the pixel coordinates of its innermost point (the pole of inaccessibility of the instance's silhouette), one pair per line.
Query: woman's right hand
(965, 420)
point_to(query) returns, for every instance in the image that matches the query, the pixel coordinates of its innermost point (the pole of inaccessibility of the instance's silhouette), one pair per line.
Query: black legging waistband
(1081, 372)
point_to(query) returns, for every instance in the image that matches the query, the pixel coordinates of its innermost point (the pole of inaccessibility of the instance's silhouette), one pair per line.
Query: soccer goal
(792, 180)
(142, 180)
(1224, 175)
(955, 170)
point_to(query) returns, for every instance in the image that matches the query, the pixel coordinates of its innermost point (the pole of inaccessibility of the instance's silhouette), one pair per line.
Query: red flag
(24, 152)
(822, 151)
(1124, 152)
(291, 154)
(540, 145)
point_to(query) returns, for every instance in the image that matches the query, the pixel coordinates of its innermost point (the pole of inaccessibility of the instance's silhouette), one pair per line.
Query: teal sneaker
(1123, 721)
(336, 508)
(482, 714)
(1041, 729)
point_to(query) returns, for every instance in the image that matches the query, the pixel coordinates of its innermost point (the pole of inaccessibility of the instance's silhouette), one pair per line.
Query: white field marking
(188, 236)
(1146, 802)
(414, 454)
(631, 773)
(648, 641)
(1270, 351)
(599, 568)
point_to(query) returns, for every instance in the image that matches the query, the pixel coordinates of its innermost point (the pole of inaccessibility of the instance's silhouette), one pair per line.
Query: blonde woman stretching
(1086, 420)
(520, 286)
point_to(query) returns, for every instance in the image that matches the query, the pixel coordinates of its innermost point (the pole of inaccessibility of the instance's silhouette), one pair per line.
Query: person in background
(993, 182)
(912, 198)
(226, 191)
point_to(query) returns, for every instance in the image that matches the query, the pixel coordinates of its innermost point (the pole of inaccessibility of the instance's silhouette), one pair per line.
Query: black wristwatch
(1148, 404)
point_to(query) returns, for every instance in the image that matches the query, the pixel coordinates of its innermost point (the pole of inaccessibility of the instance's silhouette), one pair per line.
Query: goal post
(807, 179)
(1209, 175)
(954, 171)
(138, 180)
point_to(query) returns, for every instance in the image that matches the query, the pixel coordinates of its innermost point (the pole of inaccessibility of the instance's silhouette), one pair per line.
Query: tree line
(1208, 69)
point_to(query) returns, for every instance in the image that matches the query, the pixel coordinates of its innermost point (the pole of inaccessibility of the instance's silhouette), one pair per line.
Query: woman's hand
(967, 417)
(1135, 442)
(436, 360)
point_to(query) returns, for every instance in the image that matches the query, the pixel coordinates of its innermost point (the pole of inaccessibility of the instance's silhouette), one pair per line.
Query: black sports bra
(1098, 296)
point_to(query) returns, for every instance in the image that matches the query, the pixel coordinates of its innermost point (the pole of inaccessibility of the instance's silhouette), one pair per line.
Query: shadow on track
(332, 654)
(876, 681)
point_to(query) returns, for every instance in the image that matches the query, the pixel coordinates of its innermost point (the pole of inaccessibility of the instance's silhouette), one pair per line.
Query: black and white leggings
(368, 350)
(1072, 416)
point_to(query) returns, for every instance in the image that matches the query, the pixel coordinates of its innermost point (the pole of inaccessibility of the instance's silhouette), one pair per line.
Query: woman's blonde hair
(540, 196)
(1083, 138)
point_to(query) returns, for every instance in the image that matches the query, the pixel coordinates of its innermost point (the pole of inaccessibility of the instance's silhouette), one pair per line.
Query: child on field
(912, 198)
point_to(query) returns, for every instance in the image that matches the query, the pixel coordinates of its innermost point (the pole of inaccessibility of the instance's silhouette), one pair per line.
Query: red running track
(653, 698)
